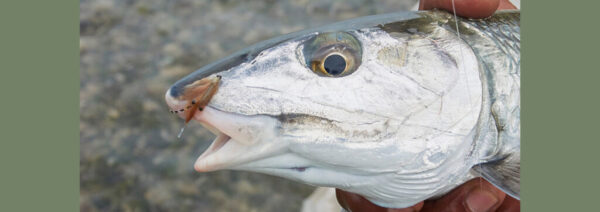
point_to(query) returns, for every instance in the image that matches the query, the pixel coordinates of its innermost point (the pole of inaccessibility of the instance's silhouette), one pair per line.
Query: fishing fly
(200, 93)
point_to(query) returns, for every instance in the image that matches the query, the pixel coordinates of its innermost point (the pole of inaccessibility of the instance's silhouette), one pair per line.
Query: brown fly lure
(197, 94)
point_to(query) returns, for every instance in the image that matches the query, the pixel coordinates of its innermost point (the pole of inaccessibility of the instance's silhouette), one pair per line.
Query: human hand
(476, 195)
(468, 8)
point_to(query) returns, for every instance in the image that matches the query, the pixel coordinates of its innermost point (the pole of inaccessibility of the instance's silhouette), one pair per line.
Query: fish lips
(240, 138)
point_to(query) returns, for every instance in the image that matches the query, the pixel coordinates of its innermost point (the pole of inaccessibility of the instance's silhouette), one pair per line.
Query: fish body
(396, 107)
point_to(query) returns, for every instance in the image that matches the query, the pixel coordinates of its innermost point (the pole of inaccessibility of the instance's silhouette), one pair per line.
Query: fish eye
(333, 54)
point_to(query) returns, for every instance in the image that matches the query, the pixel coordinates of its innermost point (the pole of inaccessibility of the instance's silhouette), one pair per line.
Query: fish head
(338, 108)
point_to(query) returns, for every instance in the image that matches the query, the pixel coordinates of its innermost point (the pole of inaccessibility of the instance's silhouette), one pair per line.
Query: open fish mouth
(240, 138)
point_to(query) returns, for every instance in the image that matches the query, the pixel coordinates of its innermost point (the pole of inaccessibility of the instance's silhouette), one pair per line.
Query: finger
(356, 203)
(474, 196)
(510, 205)
(465, 8)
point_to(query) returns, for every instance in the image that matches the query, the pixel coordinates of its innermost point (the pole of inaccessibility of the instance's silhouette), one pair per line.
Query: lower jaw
(219, 142)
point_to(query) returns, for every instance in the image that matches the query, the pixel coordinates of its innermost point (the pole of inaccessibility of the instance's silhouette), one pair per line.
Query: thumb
(476, 195)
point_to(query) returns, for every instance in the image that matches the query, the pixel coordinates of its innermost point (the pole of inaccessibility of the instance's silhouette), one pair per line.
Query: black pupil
(334, 64)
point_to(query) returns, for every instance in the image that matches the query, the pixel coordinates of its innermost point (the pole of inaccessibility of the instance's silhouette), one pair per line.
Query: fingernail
(480, 200)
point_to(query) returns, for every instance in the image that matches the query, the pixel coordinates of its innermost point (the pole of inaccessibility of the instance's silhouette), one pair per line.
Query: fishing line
(181, 131)
(461, 51)
(466, 78)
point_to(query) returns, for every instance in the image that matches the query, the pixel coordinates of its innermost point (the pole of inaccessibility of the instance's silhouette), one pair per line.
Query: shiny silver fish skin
(422, 108)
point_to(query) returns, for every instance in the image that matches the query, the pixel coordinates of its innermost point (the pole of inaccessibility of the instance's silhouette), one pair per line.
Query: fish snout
(185, 98)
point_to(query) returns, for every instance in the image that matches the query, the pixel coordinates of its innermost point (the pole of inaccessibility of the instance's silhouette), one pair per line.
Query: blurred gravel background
(130, 52)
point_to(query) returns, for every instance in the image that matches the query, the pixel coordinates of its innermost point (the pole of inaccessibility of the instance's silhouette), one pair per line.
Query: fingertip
(483, 197)
(465, 8)
(480, 200)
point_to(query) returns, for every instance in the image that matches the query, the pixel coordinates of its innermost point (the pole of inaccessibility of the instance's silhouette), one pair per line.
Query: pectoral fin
(504, 174)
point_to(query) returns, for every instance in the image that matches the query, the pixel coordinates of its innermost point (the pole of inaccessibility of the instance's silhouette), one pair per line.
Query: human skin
(468, 8)
(476, 195)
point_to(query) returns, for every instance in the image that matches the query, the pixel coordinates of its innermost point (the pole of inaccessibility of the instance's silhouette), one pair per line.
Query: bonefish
(396, 107)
